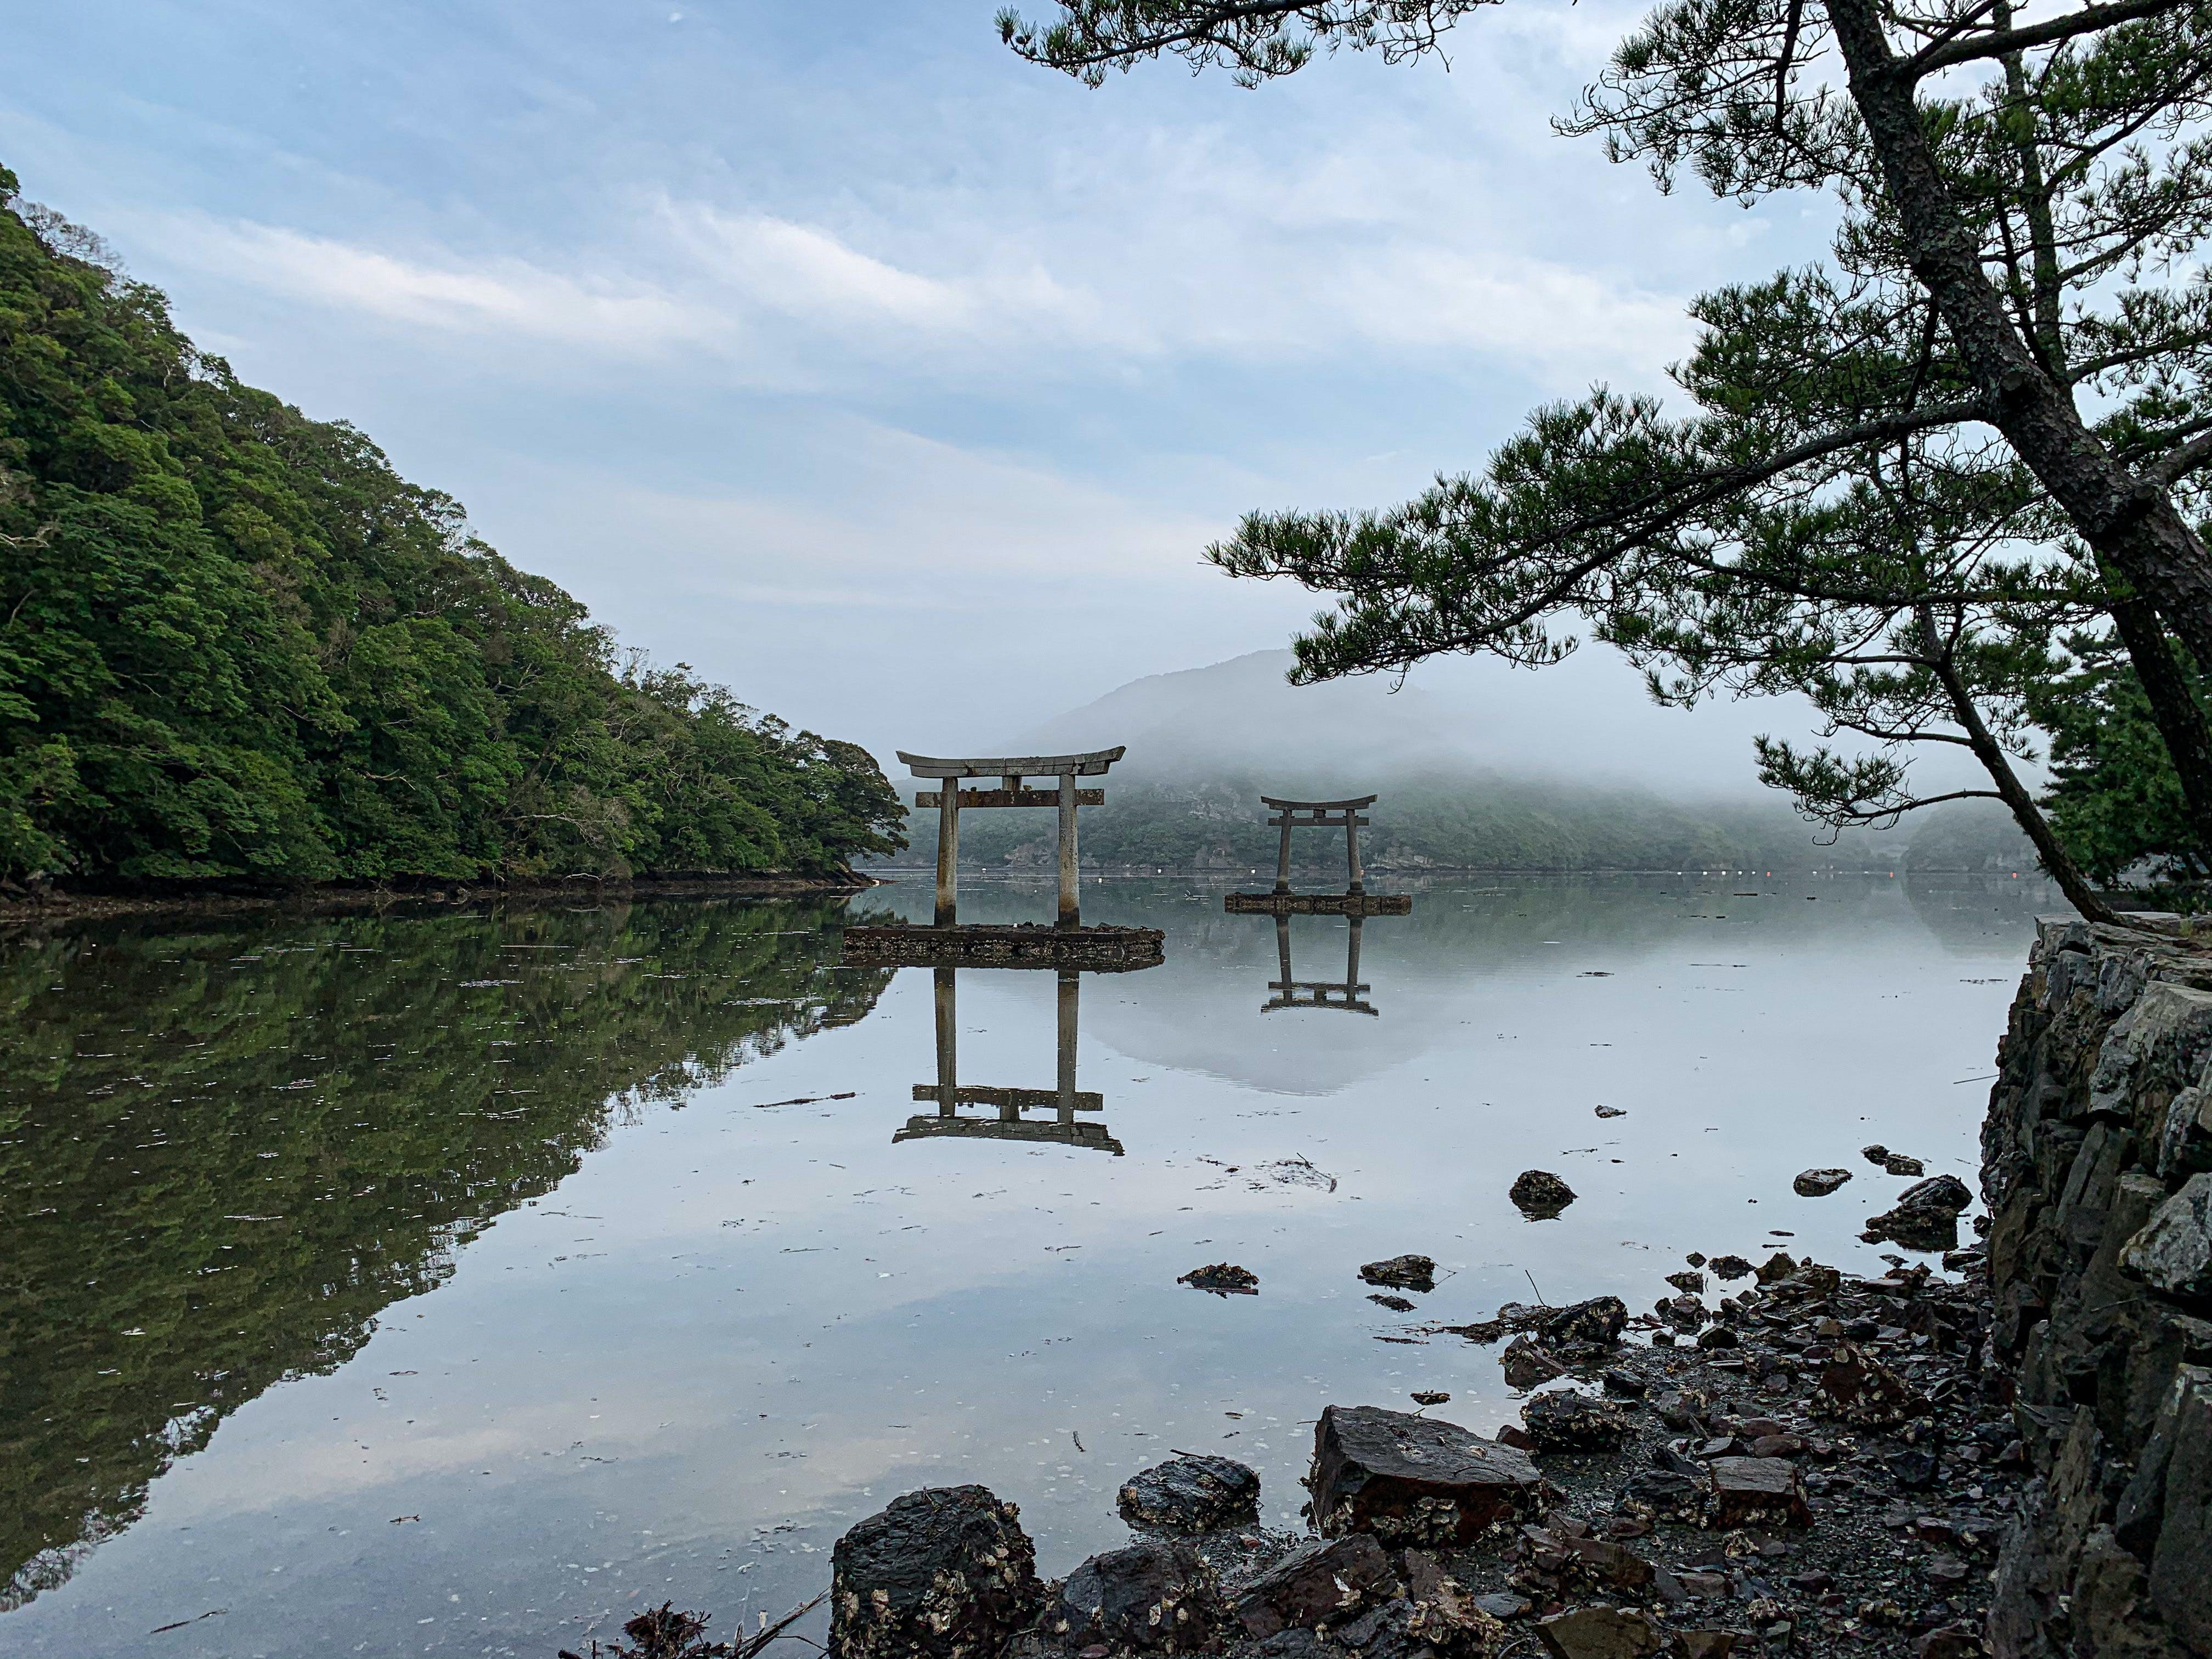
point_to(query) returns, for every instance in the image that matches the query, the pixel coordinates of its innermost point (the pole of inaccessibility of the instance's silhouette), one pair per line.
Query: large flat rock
(1414, 1480)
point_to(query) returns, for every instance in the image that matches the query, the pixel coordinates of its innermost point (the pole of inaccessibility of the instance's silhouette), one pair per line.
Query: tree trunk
(2126, 520)
(2056, 859)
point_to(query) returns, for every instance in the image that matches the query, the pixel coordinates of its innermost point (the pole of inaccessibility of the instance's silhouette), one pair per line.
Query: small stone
(1526, 1364)
(944, 1573)
(1876, 1153)
(1414, 1479)
(1912, 1467)
(1626, 1384)
(1926, 1215)
(1944, 1569)
(1322, 1582)
(1152, 1596)
(1394, 1303)
(1539, 1194)
(1191, 1495)
(1684, 1312)
(1717, 1336)
(1223, 1279)
(1597, 1321)
(1688, 1283)
(1754, 1491)
(1431, 1397)
(1856, 1389)
(1776, 1268)
(1402, 1272)
(1949, 1642)
(1730, 1266)
(1564, 1420)
(1444, 1615)
(1504, 1604)
(1612, 1111)
(1705, 1643)
(1818, 1183)
(1599, 1632)
(1661, 1495)
(1695, 1259)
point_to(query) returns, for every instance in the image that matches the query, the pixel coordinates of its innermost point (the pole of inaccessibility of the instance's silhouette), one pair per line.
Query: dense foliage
(228, 1151)
(2114, 797)
(234, 642)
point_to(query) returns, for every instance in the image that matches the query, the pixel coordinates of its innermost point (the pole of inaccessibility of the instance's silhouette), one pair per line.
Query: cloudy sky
(832, 350)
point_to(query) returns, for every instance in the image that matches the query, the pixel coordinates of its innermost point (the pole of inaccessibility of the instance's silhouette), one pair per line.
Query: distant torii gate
(1319, 815)
(1011, 771)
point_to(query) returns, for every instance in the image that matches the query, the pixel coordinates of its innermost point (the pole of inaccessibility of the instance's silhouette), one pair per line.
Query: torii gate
(1011, 771)
(1354, 900)
(1320, 815)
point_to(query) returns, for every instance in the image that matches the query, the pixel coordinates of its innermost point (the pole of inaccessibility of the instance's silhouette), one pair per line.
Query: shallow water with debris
(461, 1284)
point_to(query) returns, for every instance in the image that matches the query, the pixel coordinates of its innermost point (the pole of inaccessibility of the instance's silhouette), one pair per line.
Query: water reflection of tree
(222, 1152)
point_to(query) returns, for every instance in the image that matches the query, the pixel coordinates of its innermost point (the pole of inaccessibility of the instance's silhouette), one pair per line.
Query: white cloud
(1270, 276)
(505, 296)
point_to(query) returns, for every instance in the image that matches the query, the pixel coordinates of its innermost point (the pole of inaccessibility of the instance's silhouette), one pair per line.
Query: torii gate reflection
(1347, 992)
(1063, 1100)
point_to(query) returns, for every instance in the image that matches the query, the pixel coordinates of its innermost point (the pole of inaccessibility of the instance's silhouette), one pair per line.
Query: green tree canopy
(234, 642)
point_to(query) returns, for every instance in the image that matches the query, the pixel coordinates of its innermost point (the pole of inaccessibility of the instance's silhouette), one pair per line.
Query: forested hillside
(235, 643)
(1467, 821)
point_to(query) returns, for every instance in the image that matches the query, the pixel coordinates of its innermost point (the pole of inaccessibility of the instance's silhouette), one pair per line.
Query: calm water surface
(459, 1284)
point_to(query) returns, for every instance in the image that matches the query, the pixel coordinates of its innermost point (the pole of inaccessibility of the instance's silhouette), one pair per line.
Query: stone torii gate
(1011, 771)
(1319, 815)
(1354, 900)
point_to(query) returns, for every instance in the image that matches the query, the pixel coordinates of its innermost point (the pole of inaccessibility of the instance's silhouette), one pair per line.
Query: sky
(893, 382)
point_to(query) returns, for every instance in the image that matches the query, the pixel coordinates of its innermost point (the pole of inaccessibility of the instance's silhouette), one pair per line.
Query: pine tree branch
(2087, 20)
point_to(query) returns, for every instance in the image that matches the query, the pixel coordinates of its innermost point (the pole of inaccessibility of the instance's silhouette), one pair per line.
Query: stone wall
(2097, 1166)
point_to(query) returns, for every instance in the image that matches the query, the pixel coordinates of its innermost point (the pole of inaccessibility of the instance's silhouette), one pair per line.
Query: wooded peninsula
(235, 643)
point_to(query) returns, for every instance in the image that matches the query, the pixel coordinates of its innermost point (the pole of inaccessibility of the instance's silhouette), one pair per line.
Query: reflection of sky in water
(734, 1330)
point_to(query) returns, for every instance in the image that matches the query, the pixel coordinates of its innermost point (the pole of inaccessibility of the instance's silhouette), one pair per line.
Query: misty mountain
(1490, 769)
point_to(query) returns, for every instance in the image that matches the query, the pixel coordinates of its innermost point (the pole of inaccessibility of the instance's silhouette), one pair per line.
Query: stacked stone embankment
(2098, 1172)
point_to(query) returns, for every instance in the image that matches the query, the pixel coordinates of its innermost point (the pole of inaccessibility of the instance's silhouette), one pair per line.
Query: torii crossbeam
(1011, 771)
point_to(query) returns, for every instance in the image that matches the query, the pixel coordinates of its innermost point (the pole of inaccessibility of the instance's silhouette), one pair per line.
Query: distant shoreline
(56, 902)
(1308, 878)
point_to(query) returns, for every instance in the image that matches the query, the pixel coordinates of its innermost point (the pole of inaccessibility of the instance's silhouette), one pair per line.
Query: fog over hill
(1586, 720)
(1479, 767)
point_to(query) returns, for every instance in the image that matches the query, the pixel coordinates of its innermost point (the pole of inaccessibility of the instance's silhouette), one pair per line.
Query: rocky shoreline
(1807, 1463)
(2012, 1454)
